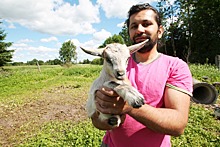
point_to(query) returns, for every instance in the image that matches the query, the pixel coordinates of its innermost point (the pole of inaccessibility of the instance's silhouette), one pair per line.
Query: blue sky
(38, 28)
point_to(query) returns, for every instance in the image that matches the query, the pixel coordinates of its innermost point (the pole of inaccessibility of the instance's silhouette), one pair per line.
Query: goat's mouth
(120, 77)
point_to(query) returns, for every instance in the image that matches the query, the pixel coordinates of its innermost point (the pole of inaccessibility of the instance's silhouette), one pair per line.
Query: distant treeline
(97, 61)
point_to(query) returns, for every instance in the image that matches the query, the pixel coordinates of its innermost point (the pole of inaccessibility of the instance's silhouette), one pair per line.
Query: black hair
(144, 6)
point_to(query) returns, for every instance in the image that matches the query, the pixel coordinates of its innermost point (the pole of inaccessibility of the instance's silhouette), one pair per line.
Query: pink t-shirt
(150, 80)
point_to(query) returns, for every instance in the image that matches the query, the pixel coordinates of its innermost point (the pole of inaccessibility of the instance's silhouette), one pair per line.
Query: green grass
(18, 82)
(66, 134)
(203, 130)
(19, 85)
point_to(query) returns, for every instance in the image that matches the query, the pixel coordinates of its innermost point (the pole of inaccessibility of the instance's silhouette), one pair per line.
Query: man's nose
(140, 29)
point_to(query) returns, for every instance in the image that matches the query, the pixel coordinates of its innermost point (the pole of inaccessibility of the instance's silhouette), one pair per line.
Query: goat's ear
(138, 46)
(94, 52)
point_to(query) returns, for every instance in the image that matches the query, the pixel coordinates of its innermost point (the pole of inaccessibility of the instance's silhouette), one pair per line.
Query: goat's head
(115, 57)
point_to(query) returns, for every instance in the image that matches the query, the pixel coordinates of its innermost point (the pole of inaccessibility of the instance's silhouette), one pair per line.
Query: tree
(195, 30)
(32, 62)
(114, 39)
(206, 30)
(5, 54)
(68, 52)
(124, 34)
(178, 32)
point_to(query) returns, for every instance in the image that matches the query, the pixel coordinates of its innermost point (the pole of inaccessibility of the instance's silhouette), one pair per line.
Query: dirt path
(60, 103)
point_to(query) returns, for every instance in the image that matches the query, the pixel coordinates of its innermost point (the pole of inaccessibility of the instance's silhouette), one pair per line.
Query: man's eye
(145, 24)
(133, 26)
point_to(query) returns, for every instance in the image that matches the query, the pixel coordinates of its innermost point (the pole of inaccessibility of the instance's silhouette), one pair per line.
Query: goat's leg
(113, 120)
(127, 92)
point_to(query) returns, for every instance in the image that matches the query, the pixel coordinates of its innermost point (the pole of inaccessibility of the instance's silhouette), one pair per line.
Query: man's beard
(148, 46)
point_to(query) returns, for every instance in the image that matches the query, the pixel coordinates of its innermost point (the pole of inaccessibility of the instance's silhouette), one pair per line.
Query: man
(164, 81)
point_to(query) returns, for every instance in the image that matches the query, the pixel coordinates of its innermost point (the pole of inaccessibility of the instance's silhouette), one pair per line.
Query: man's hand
(108, 102)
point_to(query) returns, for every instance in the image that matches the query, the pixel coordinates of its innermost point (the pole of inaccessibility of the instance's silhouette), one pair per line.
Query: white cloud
(25, 40)
(24, 52)
(118, 9)
(52, 16)
(120, 25)
(49, 39)
(97, 40)
(101, 36)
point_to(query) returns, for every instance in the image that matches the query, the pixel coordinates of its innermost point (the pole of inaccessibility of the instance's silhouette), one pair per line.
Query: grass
(18, 82)
(24, 86)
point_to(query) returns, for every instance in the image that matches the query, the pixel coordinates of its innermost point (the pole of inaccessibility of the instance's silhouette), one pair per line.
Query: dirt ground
(55, 104)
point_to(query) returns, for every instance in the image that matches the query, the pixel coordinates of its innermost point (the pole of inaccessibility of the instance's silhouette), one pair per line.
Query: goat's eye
(109, 60)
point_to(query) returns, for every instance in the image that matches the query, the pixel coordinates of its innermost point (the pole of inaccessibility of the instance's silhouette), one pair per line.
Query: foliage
(97, 61)
(193, 29)
(67, 134)
(199, 71)
(114, 39)
(5, 54)
(68, 52)
(53, 62)
(206, 28)
(35, 61)
(202, 129)
(85, 61)
(124, 34)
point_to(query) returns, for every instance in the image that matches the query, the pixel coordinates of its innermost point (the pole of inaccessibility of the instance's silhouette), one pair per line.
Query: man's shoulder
(172, 60)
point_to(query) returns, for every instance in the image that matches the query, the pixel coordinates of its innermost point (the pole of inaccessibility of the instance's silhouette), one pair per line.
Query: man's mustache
(142, 35)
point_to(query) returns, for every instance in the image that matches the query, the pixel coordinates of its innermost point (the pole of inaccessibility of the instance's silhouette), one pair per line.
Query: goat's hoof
(113, 121)
(138, 103)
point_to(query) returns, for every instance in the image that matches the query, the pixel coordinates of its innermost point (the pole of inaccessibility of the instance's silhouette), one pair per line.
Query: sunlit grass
(20, 85)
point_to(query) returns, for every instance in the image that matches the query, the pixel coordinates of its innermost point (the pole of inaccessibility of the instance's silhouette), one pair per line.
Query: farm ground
(42, 109)
(55, 104)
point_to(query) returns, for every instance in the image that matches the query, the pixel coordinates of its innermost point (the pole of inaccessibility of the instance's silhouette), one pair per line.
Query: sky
(38, 28)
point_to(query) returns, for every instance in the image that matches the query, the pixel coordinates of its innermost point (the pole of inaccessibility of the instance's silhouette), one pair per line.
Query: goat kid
(113, 75)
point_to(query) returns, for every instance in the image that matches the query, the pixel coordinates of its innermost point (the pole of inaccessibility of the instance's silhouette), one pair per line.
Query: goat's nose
(120, 73)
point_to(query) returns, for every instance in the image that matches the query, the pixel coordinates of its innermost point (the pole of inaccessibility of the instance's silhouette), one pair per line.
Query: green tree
(114, 39)
(206, 30)
(32, 62)
(124, 34)
(5, 54)
(194, 31)
(68, 52)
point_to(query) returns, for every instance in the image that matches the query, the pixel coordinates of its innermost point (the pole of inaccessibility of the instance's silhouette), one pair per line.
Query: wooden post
(217, 61)
(38, 67)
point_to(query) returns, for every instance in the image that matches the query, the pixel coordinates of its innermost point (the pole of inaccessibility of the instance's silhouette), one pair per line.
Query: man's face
(144, 26)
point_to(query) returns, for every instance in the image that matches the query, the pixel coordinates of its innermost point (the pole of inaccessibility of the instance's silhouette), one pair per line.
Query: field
(47, 108)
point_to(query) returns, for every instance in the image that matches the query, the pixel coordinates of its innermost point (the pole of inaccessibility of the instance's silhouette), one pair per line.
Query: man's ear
(160, 31)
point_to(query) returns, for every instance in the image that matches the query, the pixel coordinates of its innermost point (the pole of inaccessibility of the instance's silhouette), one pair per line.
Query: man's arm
(169, 120)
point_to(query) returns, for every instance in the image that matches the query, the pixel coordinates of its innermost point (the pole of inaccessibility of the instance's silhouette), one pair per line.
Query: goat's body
(113, 75)
(122, 87)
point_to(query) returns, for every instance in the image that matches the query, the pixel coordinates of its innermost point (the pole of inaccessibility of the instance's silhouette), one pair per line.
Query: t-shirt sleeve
(180, 77)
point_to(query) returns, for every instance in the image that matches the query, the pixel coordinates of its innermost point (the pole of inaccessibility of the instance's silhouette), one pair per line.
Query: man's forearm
(163, 120)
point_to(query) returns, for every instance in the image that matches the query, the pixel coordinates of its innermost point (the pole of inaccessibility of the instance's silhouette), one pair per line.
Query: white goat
(113, 75)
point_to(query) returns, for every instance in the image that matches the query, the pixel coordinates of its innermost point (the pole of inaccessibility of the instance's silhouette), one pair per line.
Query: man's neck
(147, 57)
